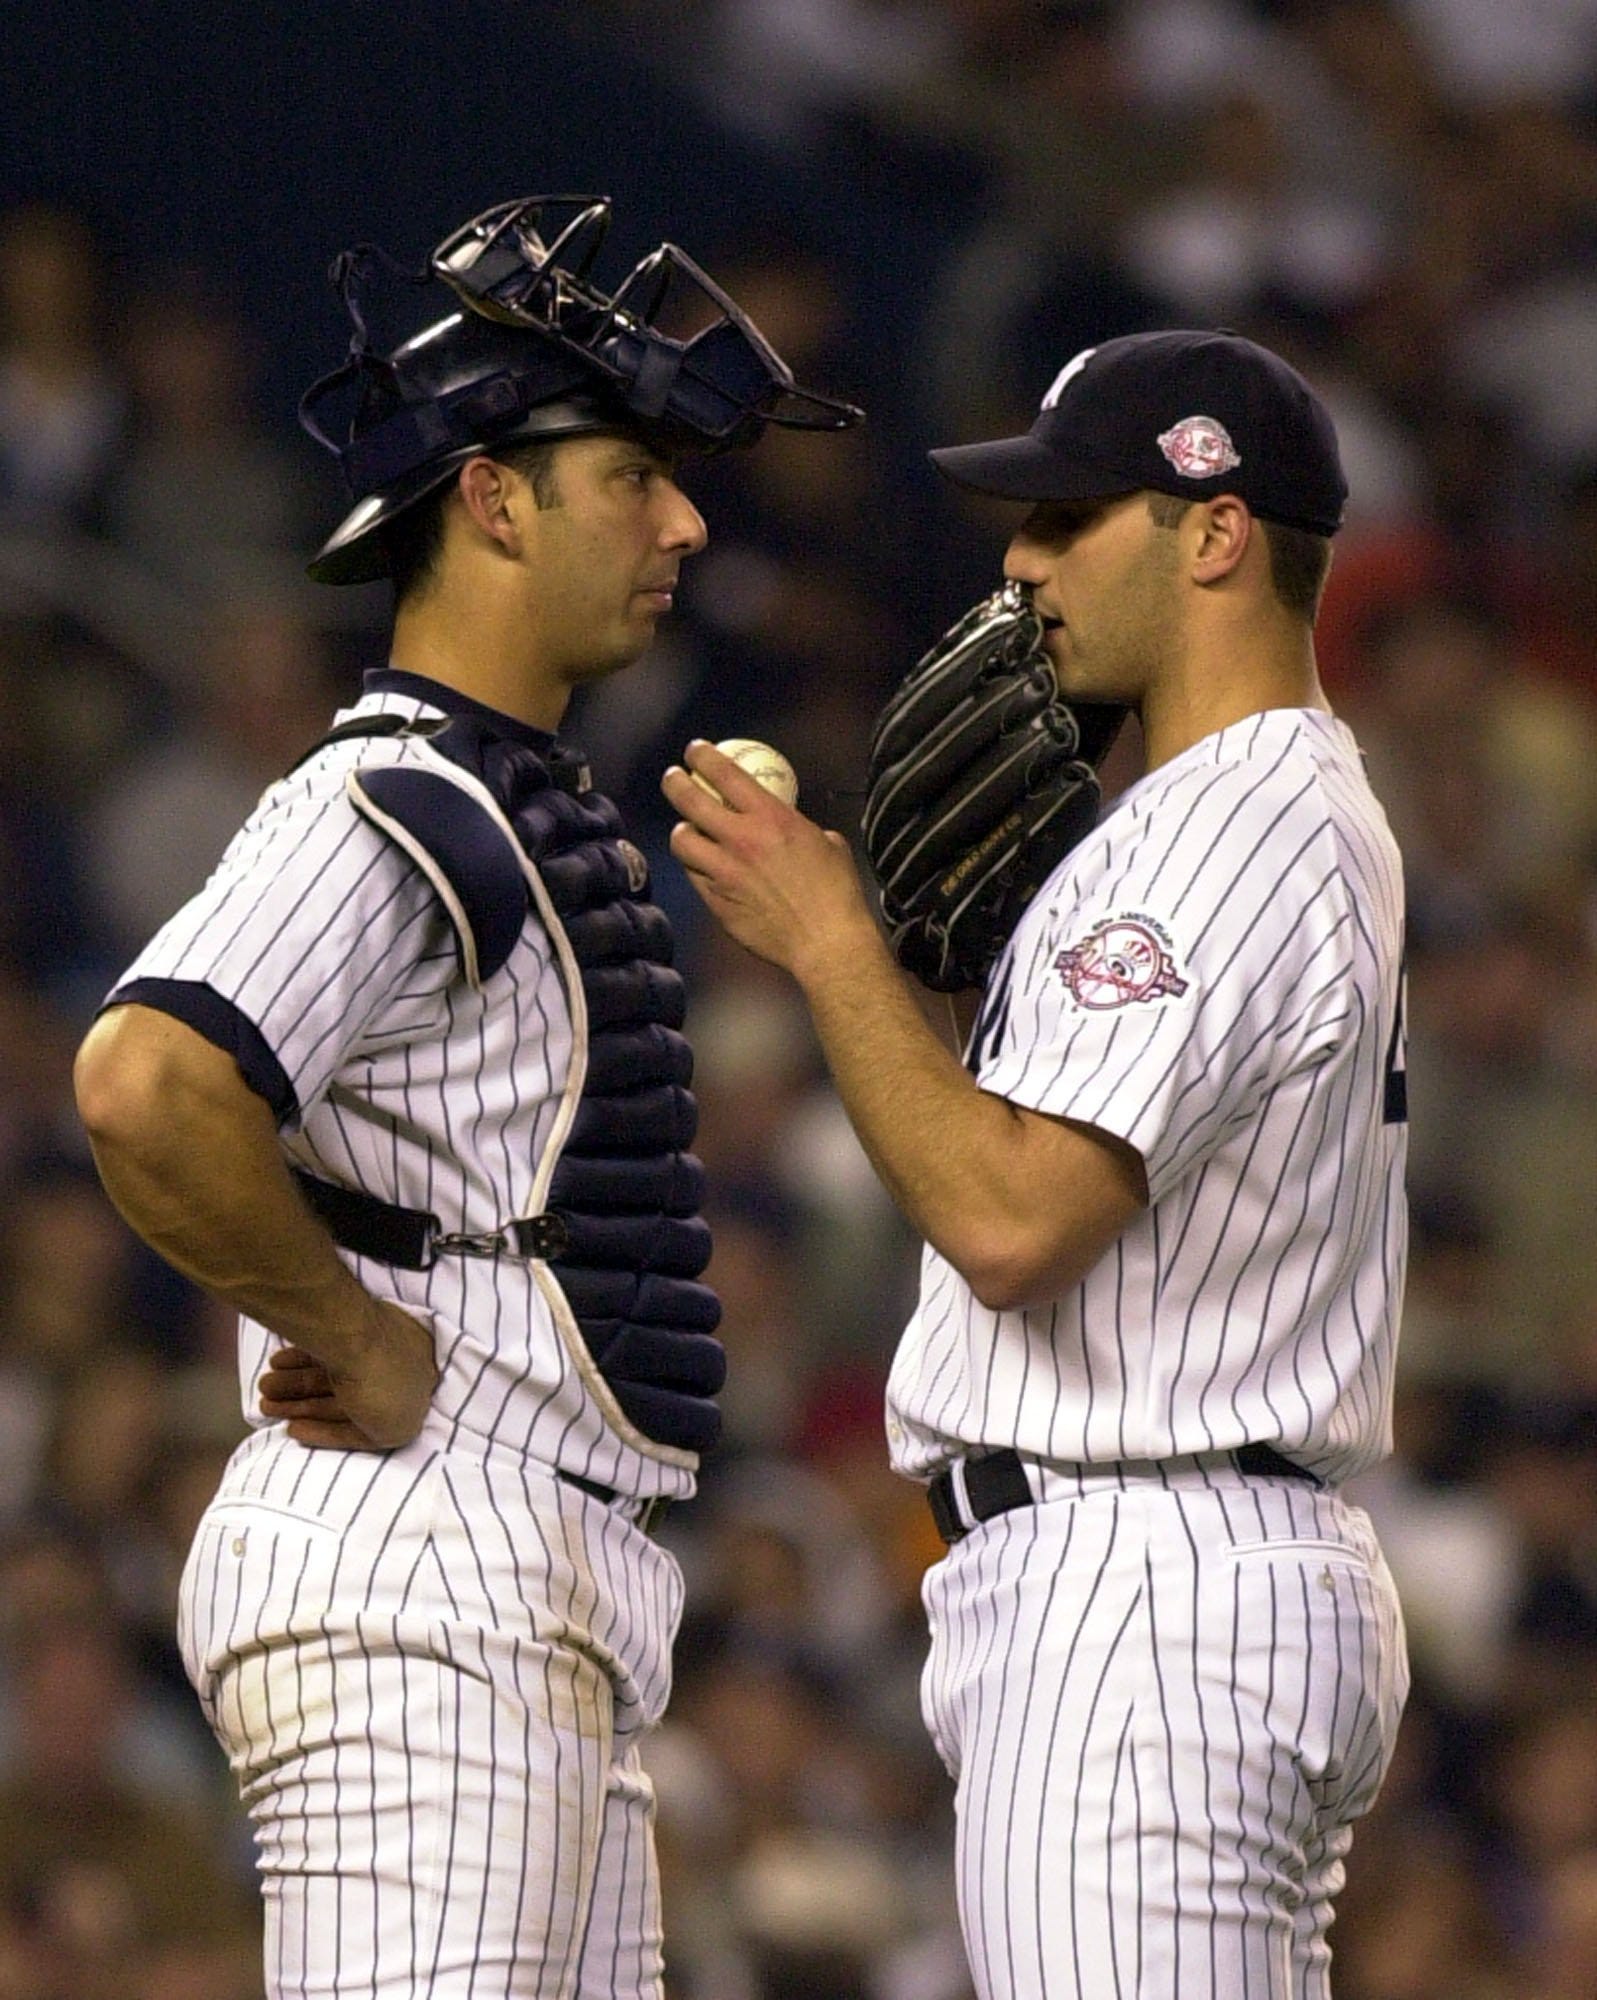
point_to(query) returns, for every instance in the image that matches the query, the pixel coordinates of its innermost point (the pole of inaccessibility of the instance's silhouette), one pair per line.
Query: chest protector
(496, 824)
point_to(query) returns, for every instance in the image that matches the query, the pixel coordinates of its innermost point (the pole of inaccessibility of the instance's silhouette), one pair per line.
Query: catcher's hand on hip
(982, 778)
(779, 884)
(376, 1406)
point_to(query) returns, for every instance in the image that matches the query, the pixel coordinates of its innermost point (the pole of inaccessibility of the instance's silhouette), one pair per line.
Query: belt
(652, 1509)
(996, 1482)
(413, 1239)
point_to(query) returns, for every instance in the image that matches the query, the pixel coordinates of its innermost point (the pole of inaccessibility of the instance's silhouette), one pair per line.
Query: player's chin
(1069, 677)
(625, 647)
(1081, 677)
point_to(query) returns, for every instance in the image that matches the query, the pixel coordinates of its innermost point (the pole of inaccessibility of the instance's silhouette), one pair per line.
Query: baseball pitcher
(1162, 1195)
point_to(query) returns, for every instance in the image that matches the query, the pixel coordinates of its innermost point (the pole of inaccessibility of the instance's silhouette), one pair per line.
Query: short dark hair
(1300, 561)
(414, 539)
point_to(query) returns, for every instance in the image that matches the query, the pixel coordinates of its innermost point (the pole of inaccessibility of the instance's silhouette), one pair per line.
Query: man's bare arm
(189, 1154)
(1020, 1203)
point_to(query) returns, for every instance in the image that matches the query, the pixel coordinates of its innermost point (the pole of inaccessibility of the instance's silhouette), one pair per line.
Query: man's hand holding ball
(764, 765)
(782, 886)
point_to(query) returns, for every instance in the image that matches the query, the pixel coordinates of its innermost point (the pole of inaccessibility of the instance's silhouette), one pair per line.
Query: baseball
(764, 765)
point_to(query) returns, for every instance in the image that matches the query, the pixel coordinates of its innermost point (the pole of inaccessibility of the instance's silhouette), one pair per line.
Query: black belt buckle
(940, 1497)
(994, 1484)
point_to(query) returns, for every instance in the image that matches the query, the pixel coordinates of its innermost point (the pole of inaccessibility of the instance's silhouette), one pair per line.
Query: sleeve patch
(464, 853)
(1124, 961)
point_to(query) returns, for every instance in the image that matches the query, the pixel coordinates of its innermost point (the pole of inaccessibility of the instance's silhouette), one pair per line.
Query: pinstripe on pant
(1164, 1706)
(435, 1730)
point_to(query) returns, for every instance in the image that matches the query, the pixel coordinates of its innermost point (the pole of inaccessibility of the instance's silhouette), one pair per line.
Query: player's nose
(1025, 561)
(683, 528)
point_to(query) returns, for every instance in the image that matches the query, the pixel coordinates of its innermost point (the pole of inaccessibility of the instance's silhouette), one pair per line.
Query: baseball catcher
(406, 1083)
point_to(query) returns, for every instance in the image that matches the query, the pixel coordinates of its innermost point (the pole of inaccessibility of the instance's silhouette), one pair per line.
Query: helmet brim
(356, 550)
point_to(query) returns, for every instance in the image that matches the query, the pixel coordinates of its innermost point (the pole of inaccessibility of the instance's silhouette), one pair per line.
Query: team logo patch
(1120, 962)
(1199, 448)
(637, 867)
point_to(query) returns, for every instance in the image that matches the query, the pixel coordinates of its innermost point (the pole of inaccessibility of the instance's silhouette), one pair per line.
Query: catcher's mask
(535, 349)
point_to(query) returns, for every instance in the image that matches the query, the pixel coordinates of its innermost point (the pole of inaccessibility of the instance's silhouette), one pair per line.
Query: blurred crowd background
(929, 205)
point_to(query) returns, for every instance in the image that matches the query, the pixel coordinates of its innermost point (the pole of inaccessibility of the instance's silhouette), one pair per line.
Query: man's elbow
(1011, 1268)
(1007, 1272)
(1035, 1237)
(1006, 1290)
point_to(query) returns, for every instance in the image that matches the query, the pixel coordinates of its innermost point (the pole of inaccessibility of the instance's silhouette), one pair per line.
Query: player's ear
(1223, 532)
(486, 491)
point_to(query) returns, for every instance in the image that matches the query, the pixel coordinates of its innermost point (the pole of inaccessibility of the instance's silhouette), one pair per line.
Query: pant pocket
(1320, 1660)
(257, 1577)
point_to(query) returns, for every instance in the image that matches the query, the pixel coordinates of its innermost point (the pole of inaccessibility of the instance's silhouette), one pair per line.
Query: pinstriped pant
(1164, 1706)
(433, 1718)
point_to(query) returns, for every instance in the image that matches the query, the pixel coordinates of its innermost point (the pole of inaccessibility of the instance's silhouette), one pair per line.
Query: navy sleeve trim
(208, 1013)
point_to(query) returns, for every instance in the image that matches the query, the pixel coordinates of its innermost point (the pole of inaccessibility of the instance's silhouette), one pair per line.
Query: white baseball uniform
(1167, 1690)
(431, 1667)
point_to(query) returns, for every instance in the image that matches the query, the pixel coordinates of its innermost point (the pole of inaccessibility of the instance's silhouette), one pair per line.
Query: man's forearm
(939, 1143)
(1020, 1204)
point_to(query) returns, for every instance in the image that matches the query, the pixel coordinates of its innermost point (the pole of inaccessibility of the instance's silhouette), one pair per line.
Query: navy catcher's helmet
(535, 349)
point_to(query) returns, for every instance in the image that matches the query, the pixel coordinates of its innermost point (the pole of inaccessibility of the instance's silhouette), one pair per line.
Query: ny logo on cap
(1056, 386)
(1199, 448)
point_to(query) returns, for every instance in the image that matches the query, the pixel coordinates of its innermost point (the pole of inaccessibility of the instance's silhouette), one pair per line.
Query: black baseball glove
(981, 780)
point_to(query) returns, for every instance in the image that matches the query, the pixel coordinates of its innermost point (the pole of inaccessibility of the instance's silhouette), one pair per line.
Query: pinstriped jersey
(324, 950)
(1213, 976)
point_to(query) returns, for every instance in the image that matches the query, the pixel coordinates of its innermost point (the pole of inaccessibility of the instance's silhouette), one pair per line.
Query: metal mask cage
(529, 263)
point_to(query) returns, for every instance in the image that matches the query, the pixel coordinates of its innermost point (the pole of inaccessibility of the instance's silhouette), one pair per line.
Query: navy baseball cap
(1182, 412)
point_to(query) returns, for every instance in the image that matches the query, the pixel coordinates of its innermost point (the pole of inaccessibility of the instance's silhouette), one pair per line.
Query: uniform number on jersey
(1396, 1112)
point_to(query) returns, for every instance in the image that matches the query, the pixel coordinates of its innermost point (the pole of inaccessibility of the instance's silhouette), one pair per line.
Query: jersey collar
(439, 694)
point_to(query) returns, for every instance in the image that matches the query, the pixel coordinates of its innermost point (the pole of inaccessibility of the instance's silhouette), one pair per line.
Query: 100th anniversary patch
(1121, 962)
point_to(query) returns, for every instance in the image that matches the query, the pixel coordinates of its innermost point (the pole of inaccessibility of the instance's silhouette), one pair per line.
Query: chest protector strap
(620, 1231)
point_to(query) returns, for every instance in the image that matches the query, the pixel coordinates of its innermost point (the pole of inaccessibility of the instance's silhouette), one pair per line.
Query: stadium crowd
(1400, 194)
